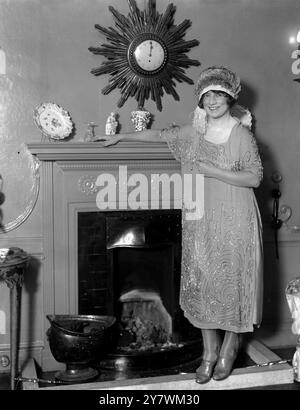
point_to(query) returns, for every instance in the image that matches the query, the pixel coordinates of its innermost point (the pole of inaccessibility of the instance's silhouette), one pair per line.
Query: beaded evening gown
(222, 259)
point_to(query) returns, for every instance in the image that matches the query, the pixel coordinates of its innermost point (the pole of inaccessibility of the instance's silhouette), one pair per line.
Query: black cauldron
(78, 340)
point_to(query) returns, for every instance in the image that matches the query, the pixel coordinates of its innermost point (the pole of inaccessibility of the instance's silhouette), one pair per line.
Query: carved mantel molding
(67, 151)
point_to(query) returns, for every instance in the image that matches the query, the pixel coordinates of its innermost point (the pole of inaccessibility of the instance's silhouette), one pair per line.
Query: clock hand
(151, 47)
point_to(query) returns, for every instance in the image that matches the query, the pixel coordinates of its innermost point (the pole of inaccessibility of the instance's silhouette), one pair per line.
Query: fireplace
(82, 258)
(129, 267)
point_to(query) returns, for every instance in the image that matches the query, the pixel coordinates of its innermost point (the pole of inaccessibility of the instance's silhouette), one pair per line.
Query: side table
(13, 263)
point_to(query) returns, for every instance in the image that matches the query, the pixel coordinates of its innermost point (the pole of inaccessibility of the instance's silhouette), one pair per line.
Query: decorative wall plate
(53, 121)
(146, 54)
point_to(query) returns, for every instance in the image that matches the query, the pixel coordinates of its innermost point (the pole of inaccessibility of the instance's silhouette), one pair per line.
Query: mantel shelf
(74, 151)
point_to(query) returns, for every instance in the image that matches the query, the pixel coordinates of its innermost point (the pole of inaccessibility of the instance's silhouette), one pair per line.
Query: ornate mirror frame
(20, 183)
(146, 54)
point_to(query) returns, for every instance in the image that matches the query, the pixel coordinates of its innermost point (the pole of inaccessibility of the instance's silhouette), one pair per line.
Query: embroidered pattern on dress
(180, 147)
(217, 286)
(251, 159)
(220, 267)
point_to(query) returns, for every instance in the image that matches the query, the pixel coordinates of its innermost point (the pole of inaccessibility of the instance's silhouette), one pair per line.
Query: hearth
(129, 267)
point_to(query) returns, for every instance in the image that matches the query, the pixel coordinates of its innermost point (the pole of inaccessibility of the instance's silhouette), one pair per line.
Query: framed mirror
(20, 182)
(146, 54)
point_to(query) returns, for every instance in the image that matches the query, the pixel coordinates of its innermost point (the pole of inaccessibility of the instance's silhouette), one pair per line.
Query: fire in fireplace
(146, 319)
(129, 267)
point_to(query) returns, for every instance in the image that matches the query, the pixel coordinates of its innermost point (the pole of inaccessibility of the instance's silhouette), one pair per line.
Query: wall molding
(26, 350)
(30, 244)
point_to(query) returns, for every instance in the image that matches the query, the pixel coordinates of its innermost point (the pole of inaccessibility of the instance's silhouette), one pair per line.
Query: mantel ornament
(111, 126)
(140, 119)
(53, 121)
(146, 54)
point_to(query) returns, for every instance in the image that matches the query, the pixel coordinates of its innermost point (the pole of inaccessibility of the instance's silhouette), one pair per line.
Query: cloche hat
(218, 79)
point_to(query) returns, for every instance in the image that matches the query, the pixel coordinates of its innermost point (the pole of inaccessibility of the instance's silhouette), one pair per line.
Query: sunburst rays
(139, 24)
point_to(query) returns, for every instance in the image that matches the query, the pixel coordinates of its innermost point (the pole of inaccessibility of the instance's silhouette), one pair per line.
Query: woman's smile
(213, 108)
(216, 110)
(215, 103)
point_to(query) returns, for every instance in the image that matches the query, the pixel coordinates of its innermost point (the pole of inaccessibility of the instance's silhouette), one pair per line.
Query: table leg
(15, 296)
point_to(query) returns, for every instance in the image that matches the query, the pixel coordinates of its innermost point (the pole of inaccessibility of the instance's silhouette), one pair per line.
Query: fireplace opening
(129, 266)
(145, 308)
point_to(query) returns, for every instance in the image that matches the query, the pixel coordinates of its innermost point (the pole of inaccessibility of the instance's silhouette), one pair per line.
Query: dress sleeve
(249, 155)
(177, 142)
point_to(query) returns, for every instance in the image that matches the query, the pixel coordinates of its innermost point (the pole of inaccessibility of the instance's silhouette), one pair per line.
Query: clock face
(149, 55)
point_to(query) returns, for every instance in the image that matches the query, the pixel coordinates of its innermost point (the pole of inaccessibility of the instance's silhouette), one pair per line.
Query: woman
(221, 284)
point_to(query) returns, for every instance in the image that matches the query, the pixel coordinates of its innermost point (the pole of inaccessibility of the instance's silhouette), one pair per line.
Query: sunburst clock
(146, 54)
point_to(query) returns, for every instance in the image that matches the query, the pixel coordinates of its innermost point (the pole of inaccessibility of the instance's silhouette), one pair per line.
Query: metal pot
(77, 340)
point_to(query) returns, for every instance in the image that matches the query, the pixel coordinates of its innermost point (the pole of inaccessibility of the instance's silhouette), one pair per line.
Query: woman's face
(215, 104)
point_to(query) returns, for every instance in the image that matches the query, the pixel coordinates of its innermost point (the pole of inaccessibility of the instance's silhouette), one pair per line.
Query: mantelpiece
(96, 151)
(68, 174)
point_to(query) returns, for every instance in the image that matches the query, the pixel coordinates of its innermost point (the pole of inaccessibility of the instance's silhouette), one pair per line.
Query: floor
(285, 354)
(106, 375)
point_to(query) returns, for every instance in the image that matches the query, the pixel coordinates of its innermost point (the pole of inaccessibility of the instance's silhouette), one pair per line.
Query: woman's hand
(109, 139)
(205, 168)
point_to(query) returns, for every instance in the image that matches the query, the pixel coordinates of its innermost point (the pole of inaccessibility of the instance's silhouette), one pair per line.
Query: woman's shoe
(205, 371)
(226, 360)
(223, 368)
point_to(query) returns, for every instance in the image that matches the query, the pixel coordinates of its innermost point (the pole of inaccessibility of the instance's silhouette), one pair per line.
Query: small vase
(90, 132)
(140, 119)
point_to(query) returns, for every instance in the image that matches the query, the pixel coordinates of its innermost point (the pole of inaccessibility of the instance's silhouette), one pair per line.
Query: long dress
(222, 256)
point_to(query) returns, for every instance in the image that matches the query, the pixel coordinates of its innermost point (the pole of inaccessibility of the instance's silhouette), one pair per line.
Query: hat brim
(216, 87)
